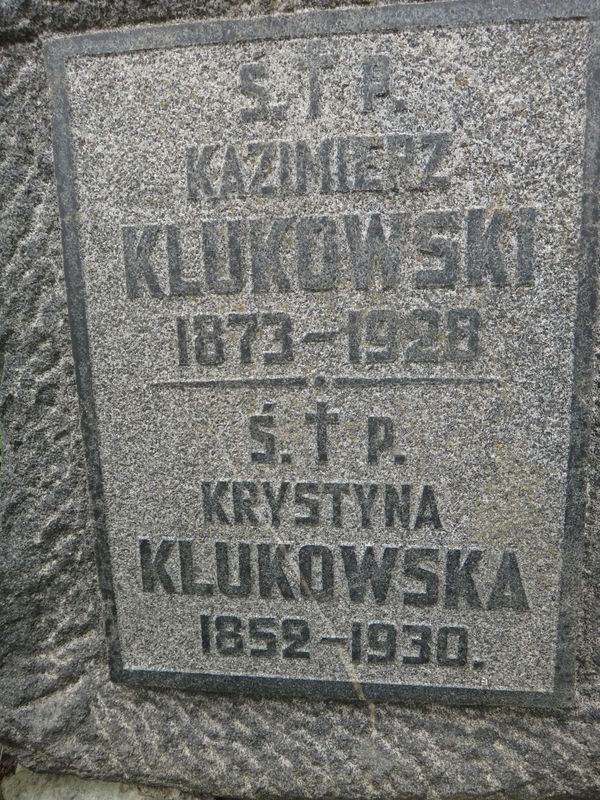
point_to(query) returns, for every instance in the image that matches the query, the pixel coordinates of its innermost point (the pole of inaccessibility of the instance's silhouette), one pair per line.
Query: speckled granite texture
(59, 712)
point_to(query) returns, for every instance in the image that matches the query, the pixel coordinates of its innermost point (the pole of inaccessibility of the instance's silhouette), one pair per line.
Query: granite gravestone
(323, 296)
(331, 289)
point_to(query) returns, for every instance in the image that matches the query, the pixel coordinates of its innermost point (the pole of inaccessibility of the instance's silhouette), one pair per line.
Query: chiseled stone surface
(27, 785)
(58, 709)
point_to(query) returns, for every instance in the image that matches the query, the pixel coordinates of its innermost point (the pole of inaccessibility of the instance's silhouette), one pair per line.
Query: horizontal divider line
(360, 382)
(301, 382)
(233, 383)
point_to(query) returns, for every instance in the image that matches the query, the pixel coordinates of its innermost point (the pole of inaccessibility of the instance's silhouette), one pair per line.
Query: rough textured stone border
(321, 24)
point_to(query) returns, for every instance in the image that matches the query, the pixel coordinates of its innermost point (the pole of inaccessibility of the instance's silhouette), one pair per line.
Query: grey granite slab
(423, 407)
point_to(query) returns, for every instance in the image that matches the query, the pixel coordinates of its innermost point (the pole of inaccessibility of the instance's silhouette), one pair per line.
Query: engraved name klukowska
(448, 578)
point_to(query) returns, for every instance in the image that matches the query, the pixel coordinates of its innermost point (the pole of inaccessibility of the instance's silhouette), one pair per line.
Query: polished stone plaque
(330, 282)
